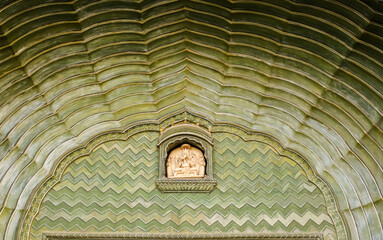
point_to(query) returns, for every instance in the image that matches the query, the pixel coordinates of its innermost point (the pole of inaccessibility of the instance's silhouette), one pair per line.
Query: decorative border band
(331, 203)
(183, 236)
(175, 185)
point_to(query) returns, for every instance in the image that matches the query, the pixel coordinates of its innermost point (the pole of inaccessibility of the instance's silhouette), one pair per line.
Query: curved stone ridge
(307, 73)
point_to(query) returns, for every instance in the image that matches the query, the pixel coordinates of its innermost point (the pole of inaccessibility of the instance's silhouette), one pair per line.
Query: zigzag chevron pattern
(113, 189)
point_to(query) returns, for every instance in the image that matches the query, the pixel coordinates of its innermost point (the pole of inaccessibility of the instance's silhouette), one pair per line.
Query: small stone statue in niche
(186, 162)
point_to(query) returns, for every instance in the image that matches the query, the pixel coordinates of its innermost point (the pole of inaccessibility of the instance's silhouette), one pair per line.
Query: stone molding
(182, 185)
(183, 236)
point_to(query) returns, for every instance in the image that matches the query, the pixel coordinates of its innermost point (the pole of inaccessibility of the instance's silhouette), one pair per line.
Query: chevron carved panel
(113, 190)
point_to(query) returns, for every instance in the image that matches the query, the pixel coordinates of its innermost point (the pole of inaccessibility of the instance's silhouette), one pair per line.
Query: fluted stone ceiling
(307, 73)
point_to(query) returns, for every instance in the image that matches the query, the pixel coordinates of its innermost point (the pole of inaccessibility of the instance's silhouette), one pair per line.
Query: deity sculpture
(186, 162)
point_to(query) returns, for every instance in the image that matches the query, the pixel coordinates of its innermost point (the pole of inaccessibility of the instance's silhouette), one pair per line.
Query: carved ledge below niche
(185, 185)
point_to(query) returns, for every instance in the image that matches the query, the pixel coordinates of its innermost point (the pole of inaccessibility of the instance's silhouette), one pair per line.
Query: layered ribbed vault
(307, 73)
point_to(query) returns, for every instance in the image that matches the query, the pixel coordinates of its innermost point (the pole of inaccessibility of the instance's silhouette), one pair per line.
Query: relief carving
(186, 162)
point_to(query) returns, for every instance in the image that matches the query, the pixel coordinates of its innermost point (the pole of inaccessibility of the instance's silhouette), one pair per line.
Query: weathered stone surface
(113, 190)
(308, 73)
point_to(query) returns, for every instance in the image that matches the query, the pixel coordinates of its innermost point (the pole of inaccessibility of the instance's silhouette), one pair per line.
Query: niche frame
(195, 136)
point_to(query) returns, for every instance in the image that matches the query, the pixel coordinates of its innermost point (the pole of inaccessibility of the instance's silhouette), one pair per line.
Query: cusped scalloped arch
(108, 192)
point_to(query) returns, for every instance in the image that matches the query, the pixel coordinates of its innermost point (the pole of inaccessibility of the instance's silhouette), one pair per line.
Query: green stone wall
(307, 73)
(113, 190)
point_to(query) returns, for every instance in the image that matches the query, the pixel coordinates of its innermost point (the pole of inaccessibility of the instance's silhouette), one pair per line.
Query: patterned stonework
(113, 190)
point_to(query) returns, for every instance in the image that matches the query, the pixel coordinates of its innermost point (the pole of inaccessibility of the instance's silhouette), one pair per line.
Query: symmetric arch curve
(185, 119)
(307, 73)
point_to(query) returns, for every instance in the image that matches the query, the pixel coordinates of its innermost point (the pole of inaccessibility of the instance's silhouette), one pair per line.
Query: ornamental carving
(186, 162)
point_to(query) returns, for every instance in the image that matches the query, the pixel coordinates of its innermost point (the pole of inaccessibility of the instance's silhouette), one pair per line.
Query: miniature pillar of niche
(186, 162)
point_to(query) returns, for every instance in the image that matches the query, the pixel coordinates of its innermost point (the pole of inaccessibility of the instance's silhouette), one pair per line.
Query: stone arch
(306, 73)
(241, 136)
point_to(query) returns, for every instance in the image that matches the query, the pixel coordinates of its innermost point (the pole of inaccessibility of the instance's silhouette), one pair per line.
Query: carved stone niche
(185, 160)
